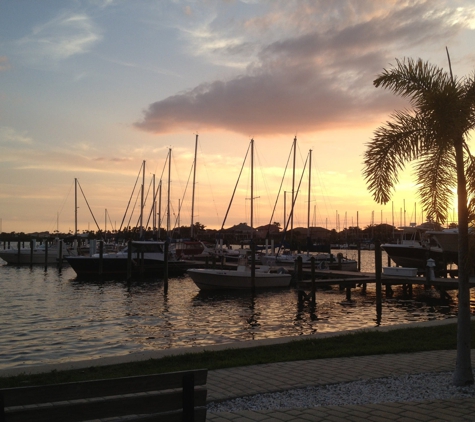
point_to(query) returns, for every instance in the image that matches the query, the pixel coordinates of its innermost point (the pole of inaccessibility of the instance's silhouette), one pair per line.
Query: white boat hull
(25, 257)
(348, 265)
(208, 279)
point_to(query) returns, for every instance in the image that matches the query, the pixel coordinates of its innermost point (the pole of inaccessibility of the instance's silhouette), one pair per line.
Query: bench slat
(199, 416)
(168, 397)
(170, 403)
(108, 387)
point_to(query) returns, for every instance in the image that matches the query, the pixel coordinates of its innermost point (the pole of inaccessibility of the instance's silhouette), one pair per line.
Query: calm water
(49, 317)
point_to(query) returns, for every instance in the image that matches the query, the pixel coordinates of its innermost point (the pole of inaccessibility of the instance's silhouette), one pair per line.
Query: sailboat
(147, 258)
(245, 277)
(322, 260)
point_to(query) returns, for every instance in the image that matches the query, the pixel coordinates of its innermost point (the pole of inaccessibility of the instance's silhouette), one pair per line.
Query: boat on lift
(414, 247)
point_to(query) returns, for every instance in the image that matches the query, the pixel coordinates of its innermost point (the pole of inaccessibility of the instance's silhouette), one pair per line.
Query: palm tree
(433, 135)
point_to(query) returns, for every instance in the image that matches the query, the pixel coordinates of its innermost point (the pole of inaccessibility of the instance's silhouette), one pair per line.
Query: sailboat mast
(154, 207)
(168, 195)
(253, 249)
(159, 225)
(293, 193)
(285, 210)
(75, 207)
(141, 199)
(252, 189)
(309, 192)
(193, 190)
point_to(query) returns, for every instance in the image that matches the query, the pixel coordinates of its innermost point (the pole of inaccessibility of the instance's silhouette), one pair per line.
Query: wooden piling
(359, 256)
(389, 291)
(101, 256)
(312, 263)
(165, 270)
(253, 267)
(348, 293)
(141, 262)
(129, 261)
(378, 266)
(299, 269)
(46, 255)
(60, 254)
(31, 252)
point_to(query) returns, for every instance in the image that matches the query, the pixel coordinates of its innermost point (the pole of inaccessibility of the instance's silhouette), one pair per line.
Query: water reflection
(52, 317)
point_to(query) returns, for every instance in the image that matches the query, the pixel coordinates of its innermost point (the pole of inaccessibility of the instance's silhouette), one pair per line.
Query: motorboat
(239, 279)
(448, 241)
(414, 248)
(323, 261)
(34, 254)
(188, 249)
(328, 261)
(147, 258)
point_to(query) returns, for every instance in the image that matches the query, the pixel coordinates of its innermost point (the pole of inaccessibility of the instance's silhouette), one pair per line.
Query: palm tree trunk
(463, 374)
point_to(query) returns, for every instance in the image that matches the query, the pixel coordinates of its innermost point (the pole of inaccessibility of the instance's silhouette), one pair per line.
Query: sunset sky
(91, 88)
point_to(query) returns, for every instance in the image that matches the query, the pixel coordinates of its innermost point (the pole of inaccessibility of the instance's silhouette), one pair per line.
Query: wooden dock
(335, 277)
(347, 281)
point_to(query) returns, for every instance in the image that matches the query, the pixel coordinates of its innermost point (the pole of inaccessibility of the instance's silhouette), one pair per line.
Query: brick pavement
(237, 382)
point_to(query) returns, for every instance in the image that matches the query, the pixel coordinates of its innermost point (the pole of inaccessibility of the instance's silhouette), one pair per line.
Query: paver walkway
(238, 382)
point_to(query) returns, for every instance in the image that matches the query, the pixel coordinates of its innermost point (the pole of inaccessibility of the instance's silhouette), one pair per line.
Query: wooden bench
(168, 397)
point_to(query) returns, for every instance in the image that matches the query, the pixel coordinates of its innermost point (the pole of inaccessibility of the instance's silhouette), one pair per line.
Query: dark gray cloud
(310, 82)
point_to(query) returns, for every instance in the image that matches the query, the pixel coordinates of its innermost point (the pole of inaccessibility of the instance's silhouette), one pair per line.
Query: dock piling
(46, 255)
(378, 266)
(312, 262)
(60, 254)
(101, 256)
(165, 269)
(31, 252)
(348, 293)
(129, 261)
(299, 269)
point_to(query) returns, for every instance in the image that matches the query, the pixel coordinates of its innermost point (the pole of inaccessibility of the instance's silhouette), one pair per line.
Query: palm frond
(436, 178)
(393, 145)
(470, 177)
(469, 103)
(412, 79)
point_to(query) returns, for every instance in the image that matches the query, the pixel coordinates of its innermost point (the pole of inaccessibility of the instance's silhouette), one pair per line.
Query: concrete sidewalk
(238, 382)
